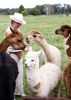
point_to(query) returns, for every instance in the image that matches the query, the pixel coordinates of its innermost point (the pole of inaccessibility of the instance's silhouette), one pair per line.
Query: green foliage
(25, 12)
(34, 11)
(21, 8)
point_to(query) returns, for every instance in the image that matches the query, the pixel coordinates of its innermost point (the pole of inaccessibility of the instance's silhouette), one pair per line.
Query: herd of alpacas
(47, 77)
(40, 83)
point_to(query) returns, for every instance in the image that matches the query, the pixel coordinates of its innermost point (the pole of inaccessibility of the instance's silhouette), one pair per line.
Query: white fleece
(55, 55)
(47, 75)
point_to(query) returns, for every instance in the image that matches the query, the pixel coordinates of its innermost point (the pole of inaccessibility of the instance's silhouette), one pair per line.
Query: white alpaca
(54, 51)
(44, 79)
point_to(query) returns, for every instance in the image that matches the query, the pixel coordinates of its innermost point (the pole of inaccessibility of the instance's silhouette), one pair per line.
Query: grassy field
(47, 26)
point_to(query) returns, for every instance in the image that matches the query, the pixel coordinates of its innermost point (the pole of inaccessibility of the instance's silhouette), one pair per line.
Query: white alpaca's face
(31, 59)
(30, 62)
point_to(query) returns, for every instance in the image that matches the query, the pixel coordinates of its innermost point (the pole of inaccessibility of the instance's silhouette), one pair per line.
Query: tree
(57, 8)
(21, 8)
(67, 9)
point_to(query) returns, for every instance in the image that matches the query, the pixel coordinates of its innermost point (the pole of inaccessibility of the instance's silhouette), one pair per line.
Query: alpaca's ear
(39, 52)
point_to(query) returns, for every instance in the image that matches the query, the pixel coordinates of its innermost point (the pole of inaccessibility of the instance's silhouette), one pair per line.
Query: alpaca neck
(4, 44)
(34, 77)
(33, 70)
(45, 47)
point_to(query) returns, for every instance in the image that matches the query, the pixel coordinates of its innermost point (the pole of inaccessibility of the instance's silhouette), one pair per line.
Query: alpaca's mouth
(58, 31)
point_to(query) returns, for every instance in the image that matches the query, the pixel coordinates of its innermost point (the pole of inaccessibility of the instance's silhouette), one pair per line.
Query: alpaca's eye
(32, 60)
(34, 36)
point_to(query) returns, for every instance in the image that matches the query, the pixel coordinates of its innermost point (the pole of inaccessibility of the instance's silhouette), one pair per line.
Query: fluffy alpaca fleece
(41, 79)
(65, 30)
(55, 54)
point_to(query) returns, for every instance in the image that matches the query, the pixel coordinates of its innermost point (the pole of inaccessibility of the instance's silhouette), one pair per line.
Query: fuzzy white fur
(55, 55)
(47, 75)
(65, 45)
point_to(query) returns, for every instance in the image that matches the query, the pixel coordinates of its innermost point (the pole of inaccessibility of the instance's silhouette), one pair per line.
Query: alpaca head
(32, 34)
(64, 30)
(17, 41)
(32, 59)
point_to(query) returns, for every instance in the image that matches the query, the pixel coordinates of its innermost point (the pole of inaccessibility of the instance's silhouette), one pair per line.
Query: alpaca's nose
(27, 40)
(56, 31)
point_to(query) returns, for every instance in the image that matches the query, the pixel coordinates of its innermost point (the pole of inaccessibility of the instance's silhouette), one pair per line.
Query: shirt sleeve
(7, 32)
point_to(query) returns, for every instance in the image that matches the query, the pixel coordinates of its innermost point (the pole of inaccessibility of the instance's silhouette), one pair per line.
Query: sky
(30, 3)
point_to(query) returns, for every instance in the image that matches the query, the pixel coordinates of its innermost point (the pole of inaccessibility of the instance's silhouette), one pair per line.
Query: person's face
(16, 26)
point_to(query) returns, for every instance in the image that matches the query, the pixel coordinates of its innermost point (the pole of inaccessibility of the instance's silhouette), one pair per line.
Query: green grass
(47, 26)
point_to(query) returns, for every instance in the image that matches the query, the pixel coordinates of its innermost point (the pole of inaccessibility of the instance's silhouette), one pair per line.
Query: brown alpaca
(16, 40)
(65, 30)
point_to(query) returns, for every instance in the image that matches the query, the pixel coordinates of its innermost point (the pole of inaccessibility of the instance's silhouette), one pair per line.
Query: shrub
(25, 12)
(34, 11)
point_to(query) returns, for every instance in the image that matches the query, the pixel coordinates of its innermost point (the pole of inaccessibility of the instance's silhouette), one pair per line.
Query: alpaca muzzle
(59, 31)
(27, 40)
(56, 32)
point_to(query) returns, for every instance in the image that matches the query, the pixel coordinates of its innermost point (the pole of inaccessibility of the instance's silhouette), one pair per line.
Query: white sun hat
(17, 17)
(11, 49)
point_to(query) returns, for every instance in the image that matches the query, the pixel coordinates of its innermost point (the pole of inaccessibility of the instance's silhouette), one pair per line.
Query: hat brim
(14, 19)
(11, 49)
(14, 50)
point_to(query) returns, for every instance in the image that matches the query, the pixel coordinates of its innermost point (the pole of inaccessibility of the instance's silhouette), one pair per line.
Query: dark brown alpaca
(65, 30)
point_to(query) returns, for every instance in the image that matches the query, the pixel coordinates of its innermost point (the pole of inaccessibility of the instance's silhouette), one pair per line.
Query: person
(16, 21)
